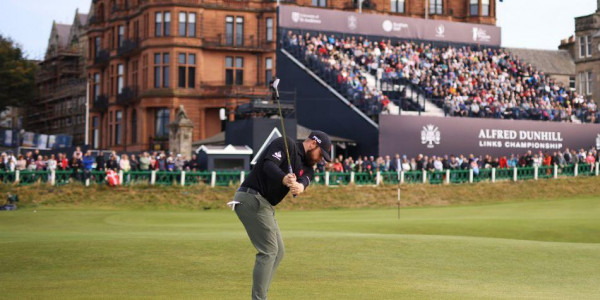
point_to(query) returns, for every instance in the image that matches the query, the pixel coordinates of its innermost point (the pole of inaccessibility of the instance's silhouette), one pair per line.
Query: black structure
(319, 109)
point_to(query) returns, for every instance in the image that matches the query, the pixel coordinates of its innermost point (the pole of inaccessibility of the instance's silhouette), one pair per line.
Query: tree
(17, 76)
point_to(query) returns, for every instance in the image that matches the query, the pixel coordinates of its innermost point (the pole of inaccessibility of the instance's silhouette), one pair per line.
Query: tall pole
(87, 112)
(360, 2)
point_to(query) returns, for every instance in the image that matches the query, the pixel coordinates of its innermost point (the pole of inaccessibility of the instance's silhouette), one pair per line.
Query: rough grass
(201, 197)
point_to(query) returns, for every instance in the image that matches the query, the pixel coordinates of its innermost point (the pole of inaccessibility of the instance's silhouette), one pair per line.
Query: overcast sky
(538, 24)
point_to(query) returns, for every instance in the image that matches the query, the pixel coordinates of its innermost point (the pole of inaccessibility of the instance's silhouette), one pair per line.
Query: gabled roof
(83, 18)
(63, 31)
(558, 62)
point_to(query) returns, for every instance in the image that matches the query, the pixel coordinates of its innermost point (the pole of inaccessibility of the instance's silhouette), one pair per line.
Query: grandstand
(373, 74)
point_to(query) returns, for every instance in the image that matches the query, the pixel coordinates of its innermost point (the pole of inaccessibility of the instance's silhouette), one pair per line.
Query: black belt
(248, 190)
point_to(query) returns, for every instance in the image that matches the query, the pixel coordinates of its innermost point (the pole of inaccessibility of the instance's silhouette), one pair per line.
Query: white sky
(538, 24)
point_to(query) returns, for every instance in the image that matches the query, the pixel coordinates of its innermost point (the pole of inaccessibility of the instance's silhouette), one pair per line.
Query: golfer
(264, 188)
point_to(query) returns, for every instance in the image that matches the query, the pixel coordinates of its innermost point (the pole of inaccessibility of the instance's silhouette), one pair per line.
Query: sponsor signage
(318, 19)
(412, 135)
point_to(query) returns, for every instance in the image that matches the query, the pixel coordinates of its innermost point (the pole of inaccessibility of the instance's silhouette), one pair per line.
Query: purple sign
(318, 19)
(412, 135)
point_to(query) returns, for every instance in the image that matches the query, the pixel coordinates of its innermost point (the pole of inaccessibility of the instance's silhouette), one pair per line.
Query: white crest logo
(295, 16)
(277, 155)
(352, 22)
(317, 139)
(598, 142)
(475, 31)
(439, 31)
(430, 135)
(387, 25)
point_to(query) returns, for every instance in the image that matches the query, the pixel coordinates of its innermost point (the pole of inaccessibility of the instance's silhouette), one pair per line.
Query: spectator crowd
(399, 162)
(469, 81)
(78, 161)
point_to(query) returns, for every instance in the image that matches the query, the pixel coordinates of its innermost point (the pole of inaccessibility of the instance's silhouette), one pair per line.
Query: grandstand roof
(557, 62)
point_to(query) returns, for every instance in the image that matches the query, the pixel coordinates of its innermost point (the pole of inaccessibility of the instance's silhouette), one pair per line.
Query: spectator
(76, 166)
(134, 163)
(112, 163)
(40, 164)
(52, 163)
(100, 162)
(77, 153)
(179, 163)
(21, 163)
(124, 163)
(194, 164)
(145, 162)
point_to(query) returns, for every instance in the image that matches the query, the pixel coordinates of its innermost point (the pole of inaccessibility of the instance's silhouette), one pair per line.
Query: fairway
(525, 250)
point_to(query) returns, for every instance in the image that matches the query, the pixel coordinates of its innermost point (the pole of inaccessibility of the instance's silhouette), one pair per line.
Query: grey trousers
(258, 217)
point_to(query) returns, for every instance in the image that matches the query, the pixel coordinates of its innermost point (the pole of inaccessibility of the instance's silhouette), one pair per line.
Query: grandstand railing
(234, 178)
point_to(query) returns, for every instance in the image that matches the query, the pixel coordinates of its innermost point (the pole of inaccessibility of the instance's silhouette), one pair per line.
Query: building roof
(551, 62)
(228, 150)
(82, 18)
(301, 134)
(63, 31)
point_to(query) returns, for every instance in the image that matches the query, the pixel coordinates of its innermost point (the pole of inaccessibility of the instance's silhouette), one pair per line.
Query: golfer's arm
(273, 171)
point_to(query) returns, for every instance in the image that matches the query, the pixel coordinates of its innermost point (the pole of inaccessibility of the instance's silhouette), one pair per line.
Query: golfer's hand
(289, 180)
(297, 188)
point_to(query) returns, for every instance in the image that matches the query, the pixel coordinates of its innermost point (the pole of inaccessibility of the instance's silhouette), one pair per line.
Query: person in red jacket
(503, 163)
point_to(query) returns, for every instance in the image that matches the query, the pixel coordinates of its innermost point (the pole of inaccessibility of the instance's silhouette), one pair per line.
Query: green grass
(520, 250)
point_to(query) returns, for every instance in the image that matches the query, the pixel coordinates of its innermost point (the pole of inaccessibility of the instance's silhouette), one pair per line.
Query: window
(97, 46)
(589, 46)
(118, 135)
(588, 83)
(158, 24)
(397, 6)
(192, 24)
(120, 36)
(436, 7)
(239, 70)
(182, 68)
(228, 70)
(187, 24)
(161, 65)
(165, 73)
(268, 70)
(474, 7)
(110, 132)
(269, 29)
(585, 46)
(134, 126)
(134, 73)
(96, 133)
(161, 123)
(229, 30)
(145, 71)
(182, 24)
(157, 61)
(96, 91)
(136, 30)
(239, 31)
(485, 7)
(321, 3)
(120, 82)
(572, 82)
(187, 67)
(167, 27)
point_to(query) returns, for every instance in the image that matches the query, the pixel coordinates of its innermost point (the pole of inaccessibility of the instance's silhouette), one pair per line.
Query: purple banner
(412, 135)
(318, 19)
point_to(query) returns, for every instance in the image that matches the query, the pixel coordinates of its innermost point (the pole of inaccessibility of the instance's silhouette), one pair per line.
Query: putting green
(531, 250)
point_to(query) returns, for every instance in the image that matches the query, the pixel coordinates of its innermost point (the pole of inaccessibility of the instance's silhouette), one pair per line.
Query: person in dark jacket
(100, 163)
